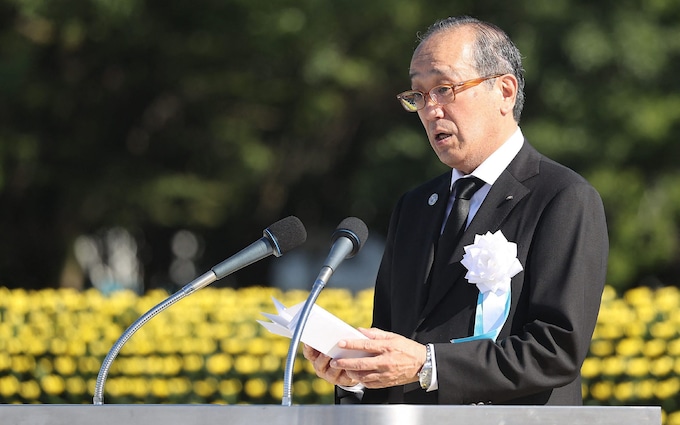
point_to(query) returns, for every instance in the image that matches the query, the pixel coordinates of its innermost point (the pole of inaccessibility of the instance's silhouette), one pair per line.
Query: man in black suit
(467, 88)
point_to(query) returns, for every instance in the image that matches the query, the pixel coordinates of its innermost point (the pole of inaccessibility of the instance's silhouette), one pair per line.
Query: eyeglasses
(415, 100)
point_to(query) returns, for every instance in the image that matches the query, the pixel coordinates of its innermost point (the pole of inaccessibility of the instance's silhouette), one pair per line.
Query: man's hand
(396, 360)
(321, 363)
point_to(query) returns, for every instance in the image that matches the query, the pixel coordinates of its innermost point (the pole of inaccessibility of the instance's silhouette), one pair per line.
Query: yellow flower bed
(634, 357)
(208, 348)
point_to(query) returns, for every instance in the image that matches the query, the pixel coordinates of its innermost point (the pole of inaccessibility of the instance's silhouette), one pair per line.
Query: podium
(190, 414)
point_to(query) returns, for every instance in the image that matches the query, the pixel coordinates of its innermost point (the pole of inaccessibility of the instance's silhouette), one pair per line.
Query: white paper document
(322, 331)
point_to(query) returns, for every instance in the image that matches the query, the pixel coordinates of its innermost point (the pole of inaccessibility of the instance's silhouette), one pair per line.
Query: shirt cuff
(434, 385)
(357, 389)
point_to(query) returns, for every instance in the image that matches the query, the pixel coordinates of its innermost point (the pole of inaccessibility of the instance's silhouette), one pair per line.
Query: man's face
(465, 132)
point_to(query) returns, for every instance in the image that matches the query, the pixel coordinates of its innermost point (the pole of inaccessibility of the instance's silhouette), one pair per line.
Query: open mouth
(441, 136)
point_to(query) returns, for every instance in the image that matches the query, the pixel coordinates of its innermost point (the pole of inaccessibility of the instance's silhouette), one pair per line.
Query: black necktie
(463, 189)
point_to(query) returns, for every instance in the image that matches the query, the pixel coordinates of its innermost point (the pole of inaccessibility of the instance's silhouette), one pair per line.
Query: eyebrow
(433, 71)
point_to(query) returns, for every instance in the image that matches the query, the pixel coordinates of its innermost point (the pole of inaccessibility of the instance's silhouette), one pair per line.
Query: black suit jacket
(557, 221)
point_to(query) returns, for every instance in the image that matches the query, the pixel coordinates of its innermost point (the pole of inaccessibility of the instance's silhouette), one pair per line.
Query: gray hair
(494, 51)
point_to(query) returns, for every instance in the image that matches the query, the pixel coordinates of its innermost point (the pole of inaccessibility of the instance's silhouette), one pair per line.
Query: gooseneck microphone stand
(319, 284)
(348, 238)
(277, 239)
(198, 283)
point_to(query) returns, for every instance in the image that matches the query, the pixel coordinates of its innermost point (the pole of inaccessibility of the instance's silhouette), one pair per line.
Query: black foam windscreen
(354, 229)
(287, 234)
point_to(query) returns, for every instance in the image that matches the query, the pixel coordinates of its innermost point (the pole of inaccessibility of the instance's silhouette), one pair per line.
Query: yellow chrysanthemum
(116, 387)
(601, 348)
(667, 388)
(662, 366)
(23, 364)
(193, 362)
(613, 366)
(672, 419)
(664, 330)
(219, 364)
(76, 385)
(9, 385)
(639, 296)
(635, 330)
(53, 384)
(630, 347)
(172, 365)
(638, 367)
(667, 299)
(65, 365)
(271, 363)
(610, 331)
(259, 346)
(591, 367)
(230, 387)
(654, 348)
(155, 365)
(645, 389)
(233, 345)
(29, 390)
(5, 361)
(179, 386)
(160, 388)
(276, 389)
(88, 364)
(256, 388)
(139, 387)
(624, 391)
(247, 364)
(601, 390)
(673, 347)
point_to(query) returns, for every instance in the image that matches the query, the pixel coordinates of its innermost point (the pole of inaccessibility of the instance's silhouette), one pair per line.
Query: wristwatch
(425, 374)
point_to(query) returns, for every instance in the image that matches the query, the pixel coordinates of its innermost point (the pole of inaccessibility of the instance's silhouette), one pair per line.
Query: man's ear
(508, 87)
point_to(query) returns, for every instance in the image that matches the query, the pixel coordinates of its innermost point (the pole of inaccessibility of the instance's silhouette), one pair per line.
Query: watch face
(425, 378)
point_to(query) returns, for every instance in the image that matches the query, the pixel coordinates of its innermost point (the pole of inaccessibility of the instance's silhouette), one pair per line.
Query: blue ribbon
(479, 322)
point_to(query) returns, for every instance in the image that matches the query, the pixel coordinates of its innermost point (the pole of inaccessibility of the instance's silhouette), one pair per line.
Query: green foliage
(230, 114)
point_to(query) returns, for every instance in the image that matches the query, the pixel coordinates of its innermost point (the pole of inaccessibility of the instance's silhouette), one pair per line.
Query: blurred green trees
(223, 116)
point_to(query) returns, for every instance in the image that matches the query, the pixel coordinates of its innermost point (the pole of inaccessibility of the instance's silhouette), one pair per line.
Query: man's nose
(432, 109)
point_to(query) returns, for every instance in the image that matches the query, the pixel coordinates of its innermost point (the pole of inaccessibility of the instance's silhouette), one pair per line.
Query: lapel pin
(509, 198)
(433, 199)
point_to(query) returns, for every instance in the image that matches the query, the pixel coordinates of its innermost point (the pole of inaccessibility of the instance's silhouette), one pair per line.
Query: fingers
(393, 360)
(375, 333)
(309, 353)
(324, 370)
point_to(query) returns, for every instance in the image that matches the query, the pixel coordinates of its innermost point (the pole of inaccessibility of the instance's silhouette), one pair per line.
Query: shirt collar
(493, 166)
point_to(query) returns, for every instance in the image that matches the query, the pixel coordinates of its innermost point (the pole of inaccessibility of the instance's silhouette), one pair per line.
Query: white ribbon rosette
(491, 262)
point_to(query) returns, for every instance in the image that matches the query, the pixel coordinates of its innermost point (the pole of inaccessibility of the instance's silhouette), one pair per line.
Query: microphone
(277, 239)
(347, 239)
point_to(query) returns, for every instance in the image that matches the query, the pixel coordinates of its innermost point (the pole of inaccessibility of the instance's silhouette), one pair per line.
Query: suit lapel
(431, 227)
(435, 221)
(505, 194)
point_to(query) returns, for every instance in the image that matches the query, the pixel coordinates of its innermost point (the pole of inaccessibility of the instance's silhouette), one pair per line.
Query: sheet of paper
(322, 331)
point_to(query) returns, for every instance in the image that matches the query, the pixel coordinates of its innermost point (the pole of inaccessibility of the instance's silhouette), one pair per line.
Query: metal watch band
(425, 374)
